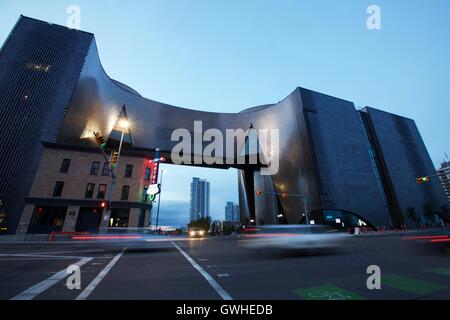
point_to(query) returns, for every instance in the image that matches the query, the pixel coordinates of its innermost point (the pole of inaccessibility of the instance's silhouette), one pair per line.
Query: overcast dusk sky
(225, 56)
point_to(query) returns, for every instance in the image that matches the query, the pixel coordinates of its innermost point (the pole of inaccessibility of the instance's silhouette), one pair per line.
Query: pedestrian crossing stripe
(411, 285)
(327, 292)
(444, 271)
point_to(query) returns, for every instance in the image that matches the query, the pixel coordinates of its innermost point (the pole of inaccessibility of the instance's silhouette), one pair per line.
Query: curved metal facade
(324, 151)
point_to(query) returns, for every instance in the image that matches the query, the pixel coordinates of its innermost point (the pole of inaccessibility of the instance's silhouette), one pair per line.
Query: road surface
(218, 268)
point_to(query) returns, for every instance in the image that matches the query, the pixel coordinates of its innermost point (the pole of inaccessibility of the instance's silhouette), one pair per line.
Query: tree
(227, 229)
(411, 212)
(429, 211)
(445, 212)
(202, 223)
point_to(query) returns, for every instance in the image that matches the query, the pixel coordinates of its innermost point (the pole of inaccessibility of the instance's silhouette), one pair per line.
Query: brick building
(71, 184)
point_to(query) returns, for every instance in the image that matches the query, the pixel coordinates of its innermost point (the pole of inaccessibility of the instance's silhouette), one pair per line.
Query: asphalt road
(219, 268)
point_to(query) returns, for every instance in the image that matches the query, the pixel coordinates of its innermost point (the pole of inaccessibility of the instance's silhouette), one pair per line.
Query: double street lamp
(113, 164)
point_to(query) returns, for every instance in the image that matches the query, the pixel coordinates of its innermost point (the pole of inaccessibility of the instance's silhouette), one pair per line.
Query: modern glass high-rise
(232, 212)
(199, 199)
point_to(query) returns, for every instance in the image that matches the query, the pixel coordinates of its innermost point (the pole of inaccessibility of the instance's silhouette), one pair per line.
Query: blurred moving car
(431, 241)
(296, 237)
(196, 233)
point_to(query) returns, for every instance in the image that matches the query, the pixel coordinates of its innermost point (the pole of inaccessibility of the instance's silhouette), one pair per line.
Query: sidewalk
(403, 232)
(10, 238)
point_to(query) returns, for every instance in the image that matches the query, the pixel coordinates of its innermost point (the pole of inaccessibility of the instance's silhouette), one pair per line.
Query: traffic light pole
(107, 211)
(426, 179)
(159, 199)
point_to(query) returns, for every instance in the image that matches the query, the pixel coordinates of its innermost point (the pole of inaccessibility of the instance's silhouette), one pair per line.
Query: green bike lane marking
(411, 285)
(444, 271)
(327, 292)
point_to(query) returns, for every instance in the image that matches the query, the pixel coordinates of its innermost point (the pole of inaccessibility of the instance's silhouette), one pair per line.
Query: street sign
(153, 189)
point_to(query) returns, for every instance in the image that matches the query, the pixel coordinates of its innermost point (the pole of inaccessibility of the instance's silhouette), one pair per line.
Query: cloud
(172, 213)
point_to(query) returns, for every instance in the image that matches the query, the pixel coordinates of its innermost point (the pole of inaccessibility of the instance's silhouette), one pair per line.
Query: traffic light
(103, 204)
(423, 180)
(114, 158)
(100, 140)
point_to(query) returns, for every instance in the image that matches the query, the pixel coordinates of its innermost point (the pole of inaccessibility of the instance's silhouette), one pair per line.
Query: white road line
(212, 282)
(91, 287)
(37, 289)
(221, 275)
(59, 252)
(33, 259)
(41, 256)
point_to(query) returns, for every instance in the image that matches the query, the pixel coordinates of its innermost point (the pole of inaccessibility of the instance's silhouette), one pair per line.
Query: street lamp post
(124, 124)
(159, 198)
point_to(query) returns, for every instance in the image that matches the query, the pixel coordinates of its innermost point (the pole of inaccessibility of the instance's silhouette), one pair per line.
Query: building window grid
(90, 188)
(125, 193)
(57, 191)
(101, 191)
(147, 174)
(94, 168)
(105, 171)
(65, 166)
(128, 171)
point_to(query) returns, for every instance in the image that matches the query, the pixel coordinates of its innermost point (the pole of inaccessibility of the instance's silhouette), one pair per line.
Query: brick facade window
(65, 166)
(125, 193)
(57, 191)
(128, 171)
(89, 191)
(95, 167)
(101, 191)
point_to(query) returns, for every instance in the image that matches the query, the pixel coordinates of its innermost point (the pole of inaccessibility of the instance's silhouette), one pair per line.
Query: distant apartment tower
(232, 212)
(444, 175)
(199, 199)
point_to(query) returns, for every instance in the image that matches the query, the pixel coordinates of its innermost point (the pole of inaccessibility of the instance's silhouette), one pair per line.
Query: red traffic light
(103, 205)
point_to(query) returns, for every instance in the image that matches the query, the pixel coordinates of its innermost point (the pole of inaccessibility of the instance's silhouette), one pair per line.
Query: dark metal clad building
(39, 68)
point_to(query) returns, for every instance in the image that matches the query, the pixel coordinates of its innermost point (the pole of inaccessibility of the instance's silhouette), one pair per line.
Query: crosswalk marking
(444, 271)
(411, 285)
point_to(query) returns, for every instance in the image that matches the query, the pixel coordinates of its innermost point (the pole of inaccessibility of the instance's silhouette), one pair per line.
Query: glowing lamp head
(124, 124)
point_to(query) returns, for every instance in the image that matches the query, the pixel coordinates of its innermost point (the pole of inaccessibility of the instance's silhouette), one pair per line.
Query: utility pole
(113, 164)
(159, 198)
